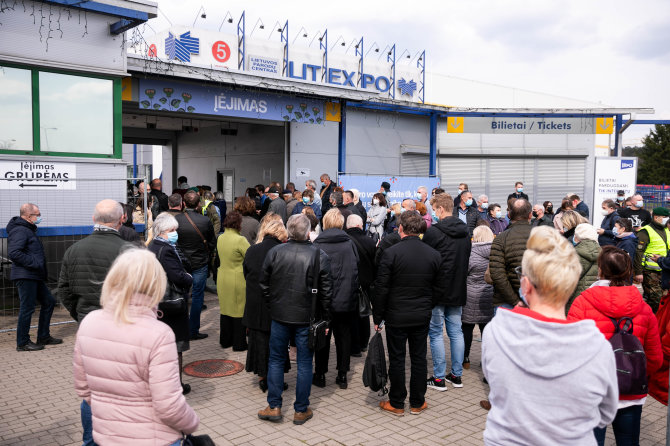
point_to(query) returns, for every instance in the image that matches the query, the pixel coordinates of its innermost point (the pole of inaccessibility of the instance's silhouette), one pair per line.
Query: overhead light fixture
(262, 27)
(198, 14)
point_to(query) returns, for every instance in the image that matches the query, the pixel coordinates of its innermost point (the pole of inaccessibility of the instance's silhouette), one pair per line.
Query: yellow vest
(204, 208)
(656, 246)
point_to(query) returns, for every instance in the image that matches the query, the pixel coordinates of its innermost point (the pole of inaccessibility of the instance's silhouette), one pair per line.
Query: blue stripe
(66, 230)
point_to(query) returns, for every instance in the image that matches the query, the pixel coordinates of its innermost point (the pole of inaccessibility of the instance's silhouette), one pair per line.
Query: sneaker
(386, 406)
(454, 380)
(270, 414)
(29, 347)
(437, 384)
(49, 341)
(319, 380)
(418, 410)
(466, 363)
(302, 417)
(341, 380)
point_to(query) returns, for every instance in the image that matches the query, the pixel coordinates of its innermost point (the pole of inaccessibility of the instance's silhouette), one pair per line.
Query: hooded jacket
(479, 306)
(627, 242)
(600, 303)
(552, 382)
(451, 239)
(588, 251)
(25, 251)
(343, 257)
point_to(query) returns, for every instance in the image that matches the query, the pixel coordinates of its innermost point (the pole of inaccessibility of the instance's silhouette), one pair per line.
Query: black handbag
(364, 306)
(317, 338)
(198, 440)
(174, 299)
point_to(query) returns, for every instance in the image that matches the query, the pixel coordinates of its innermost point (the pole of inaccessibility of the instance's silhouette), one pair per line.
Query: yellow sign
(126, 89)
(604, 126)
(455, 124)
(333, 112)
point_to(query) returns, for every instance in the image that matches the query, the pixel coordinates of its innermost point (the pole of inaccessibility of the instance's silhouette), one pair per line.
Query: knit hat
(585, 231)
(661, 212)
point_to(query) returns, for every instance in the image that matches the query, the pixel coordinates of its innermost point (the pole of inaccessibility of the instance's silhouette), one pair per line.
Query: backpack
(375, 374)
(631, 361)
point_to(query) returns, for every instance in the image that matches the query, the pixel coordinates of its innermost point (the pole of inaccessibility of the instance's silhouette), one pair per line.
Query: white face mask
(375, 201)
(664, 221)
(605, 212)
(639, 204)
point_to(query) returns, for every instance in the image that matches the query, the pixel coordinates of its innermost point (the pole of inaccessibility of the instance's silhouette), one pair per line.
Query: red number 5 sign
(221, 51)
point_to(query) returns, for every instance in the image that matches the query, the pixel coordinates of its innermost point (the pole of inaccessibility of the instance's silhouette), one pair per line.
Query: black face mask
(535, 214)
(550, 209)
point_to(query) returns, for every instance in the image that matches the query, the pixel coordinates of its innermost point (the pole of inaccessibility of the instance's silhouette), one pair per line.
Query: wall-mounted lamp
(262, 26)
(229, 16)
(198, 14)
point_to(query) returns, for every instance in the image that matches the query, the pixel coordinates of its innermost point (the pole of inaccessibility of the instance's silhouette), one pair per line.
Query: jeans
(506, 306)
(279, 339)
(197, 298)
(176, 443)
(31, 292)
(468, 329)
(626, 426)
(452, 318)
(396, 339)
(87, 424)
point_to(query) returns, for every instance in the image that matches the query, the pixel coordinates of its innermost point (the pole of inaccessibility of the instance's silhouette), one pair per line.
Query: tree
(654, 156)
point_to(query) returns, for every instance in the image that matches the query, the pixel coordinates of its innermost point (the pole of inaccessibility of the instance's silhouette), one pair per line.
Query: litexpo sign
(339, 76)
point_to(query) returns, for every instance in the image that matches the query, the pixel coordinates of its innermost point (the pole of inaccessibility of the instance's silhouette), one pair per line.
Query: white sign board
(612, 174)
(37, 175)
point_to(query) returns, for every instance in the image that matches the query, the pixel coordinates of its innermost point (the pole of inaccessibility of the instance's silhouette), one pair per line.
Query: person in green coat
(230, 284)
(588, 249)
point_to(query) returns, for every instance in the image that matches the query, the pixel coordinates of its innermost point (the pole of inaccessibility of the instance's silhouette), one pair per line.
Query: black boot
(341, 380)
(319, 380)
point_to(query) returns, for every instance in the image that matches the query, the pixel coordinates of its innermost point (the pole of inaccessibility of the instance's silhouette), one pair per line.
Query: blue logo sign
(407, 88)
(181, 48)
(627, 164)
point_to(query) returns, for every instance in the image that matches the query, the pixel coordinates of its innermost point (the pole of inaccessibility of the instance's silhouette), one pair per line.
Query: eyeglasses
(520, 274)
(35, 215)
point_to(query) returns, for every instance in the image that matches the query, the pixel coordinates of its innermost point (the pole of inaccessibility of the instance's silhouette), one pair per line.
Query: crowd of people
(532, 280)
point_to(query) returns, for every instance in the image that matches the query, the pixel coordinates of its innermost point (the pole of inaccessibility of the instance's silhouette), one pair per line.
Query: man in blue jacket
(29, 272)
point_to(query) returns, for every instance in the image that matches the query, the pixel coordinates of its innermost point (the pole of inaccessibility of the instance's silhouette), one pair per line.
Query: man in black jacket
(450, 237)
(467, 211)
(288, 286)
(29, 274)
(408, 280)
(327, 187)
(366, 277)
(196, 240)
(518, 192)
(159, 196)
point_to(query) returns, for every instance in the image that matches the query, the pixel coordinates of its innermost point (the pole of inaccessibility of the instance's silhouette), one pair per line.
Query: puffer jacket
(376, 217)
(658, 382)
(600, 303)
(84, 267)
(588, 251)
(450, 238)
(479, 306)
(287, 280)
(139, 401)
(343, 257)
(506, 253)
(25, 251)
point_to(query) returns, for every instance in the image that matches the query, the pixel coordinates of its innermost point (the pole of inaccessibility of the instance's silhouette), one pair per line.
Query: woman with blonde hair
(552, 382)
(125, 360)
(570, 220)
(478, 308)
(256, 314)
(566, 205)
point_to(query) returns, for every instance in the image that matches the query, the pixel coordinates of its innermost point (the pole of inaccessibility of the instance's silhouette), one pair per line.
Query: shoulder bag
(317, 329)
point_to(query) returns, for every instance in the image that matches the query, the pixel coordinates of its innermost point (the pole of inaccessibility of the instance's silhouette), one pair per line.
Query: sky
(613, 52)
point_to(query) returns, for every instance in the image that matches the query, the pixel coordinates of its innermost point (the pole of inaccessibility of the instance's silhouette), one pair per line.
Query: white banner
(612, 174)
(42, 175)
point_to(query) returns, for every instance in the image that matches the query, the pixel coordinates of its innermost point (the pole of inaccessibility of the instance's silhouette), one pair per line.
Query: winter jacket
(607, 238)
(222, 208)
(161, 199)
(191, 243)
(84, 268)
(300, 206)
(600, 303)
(256, 313)
(231, 287)
(25, 250)
(479, 306)
(249, 229)
(627, 242)
(471, 215)
(287, 281)
(543, 221)
(518, 195)
(408, 282)
(171, 263)
(506, 253)
(343, 257)
(139, 399)
(129, 234)
(450, 238)
(497, 225)
(658, 382)
(582, 209)
(325, 197)
(290, 206)
(552, 382)
(386, 243)
(278, 206)
(392, 224)
(588, 251)
(376, 217)
(366, 249)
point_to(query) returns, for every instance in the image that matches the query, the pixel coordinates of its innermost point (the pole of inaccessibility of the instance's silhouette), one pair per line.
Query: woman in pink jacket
(125, 360)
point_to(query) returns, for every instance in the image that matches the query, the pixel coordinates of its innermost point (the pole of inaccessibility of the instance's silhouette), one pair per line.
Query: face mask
(523, 297)
(469, 202)
(402, 210)
(172, 237)
(620, 198)
(550, 209)
(418, 196)
(433, 214)
(604, 212)
(639, 204)
(392, 214)
(323, 184)
(574, 242)
(664, 221)
(519, 189)
(375, 202)
(384, 192)
(459, 192)
(535, 214)
(499, 214)
(305, 200)
(485, 205)
(615, 231)
(39, 220)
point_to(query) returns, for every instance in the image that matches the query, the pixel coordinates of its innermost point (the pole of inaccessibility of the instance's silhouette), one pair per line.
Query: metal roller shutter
(472, 171)
(414, 165)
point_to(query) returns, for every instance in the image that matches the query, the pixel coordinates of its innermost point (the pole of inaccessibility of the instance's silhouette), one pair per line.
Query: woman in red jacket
(613, 297)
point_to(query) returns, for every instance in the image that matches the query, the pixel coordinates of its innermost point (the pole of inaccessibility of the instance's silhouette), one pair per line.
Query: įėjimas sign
(31, 175)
